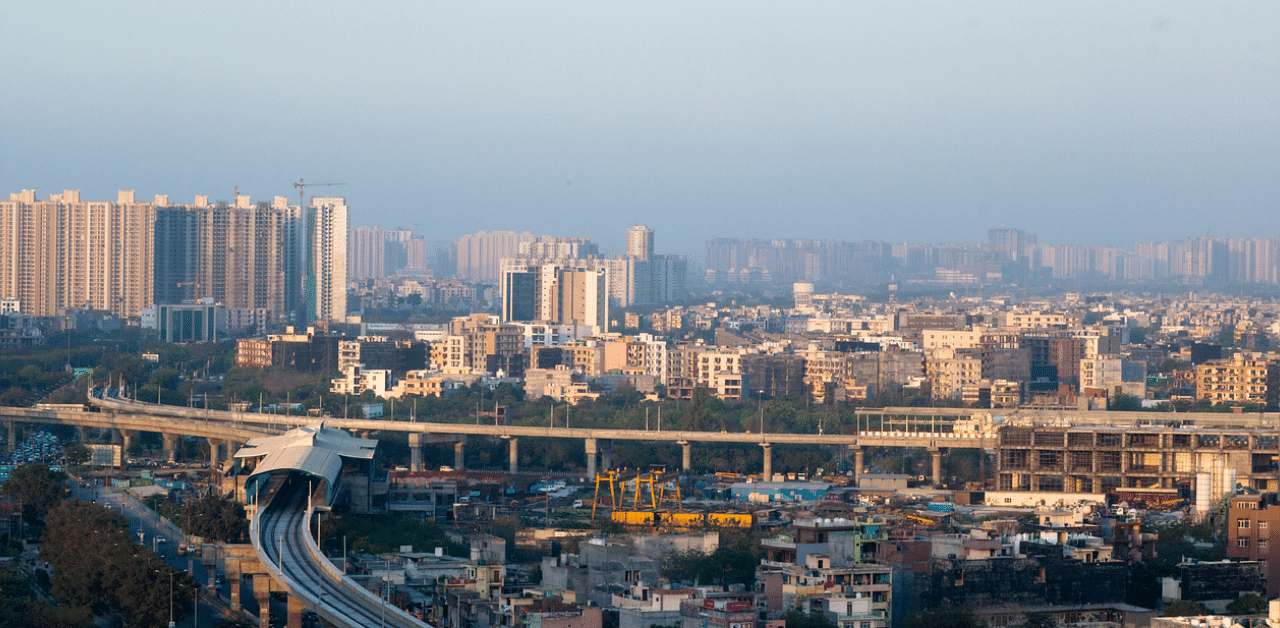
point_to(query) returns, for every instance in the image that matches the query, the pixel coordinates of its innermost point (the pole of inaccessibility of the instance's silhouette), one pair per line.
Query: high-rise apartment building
(568, 292)
(325, 294)
(176, 254)
(642, 278)
(1009, 244)
(65, 253)
(640, 242)
(247, 256)
(556, 248)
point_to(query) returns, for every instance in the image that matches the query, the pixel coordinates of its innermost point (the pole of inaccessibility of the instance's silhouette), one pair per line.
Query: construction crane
(301, 186)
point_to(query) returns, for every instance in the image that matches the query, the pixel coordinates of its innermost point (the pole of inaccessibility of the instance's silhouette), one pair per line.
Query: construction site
(651, 498)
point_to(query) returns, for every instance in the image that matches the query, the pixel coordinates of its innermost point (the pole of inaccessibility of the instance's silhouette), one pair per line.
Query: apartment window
(1262, 525)
(1262, 544)
(1242, 542)
(1242, 524)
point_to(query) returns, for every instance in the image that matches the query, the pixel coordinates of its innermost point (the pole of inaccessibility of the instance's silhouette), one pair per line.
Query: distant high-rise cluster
(564, 281)
(480, 254)
(375, 253)
(64, 254)
(1010, 256)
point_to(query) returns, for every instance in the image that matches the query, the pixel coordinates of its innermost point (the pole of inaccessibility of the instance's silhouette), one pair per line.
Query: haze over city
(1094, 123)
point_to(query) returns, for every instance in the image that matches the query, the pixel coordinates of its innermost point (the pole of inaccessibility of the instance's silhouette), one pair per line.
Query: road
(282, 541)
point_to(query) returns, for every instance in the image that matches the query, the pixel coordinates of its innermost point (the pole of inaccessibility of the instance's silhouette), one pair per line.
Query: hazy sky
(1091, 122)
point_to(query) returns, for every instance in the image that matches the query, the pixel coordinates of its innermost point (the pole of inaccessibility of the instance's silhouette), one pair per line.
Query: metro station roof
(312, 449)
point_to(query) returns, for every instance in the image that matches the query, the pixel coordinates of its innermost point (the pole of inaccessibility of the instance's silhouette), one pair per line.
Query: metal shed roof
(312, 449)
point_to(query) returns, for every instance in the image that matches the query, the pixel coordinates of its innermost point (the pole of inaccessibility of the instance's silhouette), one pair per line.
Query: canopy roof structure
(315, 450)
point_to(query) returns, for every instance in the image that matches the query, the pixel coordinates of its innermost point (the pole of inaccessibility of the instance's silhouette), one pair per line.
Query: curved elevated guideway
(281, 536)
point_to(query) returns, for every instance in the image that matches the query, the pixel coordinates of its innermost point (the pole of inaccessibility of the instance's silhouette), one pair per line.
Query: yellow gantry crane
(615, 480)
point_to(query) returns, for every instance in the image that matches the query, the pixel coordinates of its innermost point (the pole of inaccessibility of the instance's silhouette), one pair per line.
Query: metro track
(283, 524)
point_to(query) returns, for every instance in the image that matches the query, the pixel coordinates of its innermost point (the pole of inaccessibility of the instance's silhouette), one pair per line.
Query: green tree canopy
(97, 565)
(797, 618)
(946, 615)
(77, 454)
(216, 518)
(1248, 604)
(1185, 608)
(1038, 620)
(38, 487)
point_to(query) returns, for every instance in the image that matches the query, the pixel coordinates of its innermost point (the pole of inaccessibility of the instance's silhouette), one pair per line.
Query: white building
(355, 380)
(325, 291)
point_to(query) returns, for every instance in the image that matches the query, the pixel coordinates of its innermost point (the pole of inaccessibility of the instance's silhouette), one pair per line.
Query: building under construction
(1097, 459)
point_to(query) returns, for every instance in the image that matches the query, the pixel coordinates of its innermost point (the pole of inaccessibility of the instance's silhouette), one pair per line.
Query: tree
(15, 397)
(797, 618)
(729, 566)
(216, 517)
(1185, 608)
(1038, 620)
(1124, 402)
(37, 486)
(77, 454)
(1247, 604)
(96, 564)
(682, 565)
(20, 609)
(946, 615)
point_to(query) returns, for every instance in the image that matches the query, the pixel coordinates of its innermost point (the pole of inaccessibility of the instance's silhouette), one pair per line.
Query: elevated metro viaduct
(931, 431)
(934, 429)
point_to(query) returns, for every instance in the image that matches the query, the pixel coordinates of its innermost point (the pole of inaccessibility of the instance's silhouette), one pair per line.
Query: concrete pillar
(127, 438)
(170, 446)
(209, 558)
(233, 583)
(936, 454)
(459, 454)
(767, 474)
(415, 452)
(686, 456)
(82, 432)
(859, 461)
(606, 454)
(262, 592)
(513, 455)
(215, 452)
(295, 612)
(591, 458)
(11, 427)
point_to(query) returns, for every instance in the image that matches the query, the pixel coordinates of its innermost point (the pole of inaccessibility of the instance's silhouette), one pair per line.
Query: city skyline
(1096, 123)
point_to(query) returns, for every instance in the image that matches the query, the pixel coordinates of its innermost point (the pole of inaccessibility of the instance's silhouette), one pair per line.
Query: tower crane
(301, 186)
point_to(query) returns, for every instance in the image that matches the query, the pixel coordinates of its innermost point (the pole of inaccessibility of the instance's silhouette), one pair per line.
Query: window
(1262, 525)
(1242, 524)
(1242, 542)
(1262, 544)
